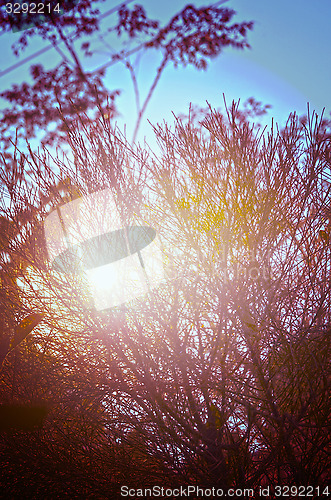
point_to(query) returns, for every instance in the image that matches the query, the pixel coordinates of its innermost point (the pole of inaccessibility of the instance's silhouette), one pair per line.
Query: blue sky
(287, 66)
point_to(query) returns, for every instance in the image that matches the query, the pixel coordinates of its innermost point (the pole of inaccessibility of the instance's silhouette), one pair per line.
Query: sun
(120, 260)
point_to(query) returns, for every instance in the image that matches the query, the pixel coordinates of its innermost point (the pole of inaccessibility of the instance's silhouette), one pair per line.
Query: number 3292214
(32, 8)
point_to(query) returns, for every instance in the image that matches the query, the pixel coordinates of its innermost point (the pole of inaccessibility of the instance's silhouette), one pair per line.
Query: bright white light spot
(120, 261)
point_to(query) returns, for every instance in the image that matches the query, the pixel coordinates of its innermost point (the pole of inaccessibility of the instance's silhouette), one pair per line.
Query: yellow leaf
(324, 235)
(24, 328)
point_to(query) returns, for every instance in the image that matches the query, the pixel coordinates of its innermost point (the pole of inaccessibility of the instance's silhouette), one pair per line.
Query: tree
(191, 37)
(220, 377)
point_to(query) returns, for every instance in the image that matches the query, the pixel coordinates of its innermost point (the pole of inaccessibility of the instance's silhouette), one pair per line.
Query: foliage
(193, 36)
(220, 377)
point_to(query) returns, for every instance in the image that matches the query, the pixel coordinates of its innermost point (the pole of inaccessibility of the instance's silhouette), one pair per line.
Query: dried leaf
(24, 328)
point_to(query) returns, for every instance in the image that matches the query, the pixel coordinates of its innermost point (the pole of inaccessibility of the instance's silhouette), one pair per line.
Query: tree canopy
(218, 377)
(192, 37)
